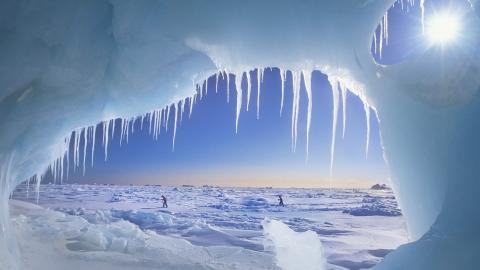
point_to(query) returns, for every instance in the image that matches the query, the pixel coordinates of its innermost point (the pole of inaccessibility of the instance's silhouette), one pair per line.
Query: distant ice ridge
(293, 250)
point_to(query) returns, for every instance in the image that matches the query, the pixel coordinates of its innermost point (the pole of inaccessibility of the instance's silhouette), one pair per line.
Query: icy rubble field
(124, 227)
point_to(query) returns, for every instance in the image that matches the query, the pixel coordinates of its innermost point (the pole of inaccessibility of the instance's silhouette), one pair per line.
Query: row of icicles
(157, 120)
(380, 35)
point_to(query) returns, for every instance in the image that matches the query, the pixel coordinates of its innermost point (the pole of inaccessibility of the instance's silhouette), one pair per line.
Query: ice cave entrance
(254, 177)
(222, 182)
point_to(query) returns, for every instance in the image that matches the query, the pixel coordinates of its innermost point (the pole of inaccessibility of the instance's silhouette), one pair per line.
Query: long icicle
(283, 76)
(335, 97)
(167, 118)
(106, 131)
(175, 125)
(296, 99)
(228, 85)
(422, 9)
(344, 109)
(84, 148)
(238, 87)
(249, 88)
(259, 85)
(307, 80)
(93, 142)
(192, 101)
(367, 118)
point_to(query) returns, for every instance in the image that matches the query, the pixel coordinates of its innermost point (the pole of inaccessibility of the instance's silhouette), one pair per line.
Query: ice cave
(69, 65)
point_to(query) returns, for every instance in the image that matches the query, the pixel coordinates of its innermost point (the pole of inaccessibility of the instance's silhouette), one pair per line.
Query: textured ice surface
(213, 217)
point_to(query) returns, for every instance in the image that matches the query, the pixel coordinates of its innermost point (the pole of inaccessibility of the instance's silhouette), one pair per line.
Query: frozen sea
(125, 227)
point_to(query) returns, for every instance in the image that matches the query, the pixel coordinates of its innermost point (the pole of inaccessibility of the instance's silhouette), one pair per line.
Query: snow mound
(293, 250)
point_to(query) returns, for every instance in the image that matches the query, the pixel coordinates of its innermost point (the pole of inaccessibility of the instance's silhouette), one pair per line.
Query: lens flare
(443, 28)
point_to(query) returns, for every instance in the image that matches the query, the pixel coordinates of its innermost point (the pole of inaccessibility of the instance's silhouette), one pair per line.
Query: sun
(443, 28)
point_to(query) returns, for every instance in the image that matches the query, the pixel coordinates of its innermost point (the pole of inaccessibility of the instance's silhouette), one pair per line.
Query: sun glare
(443, 28)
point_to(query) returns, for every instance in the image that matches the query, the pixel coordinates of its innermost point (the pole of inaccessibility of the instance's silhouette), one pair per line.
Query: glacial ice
(66, 66)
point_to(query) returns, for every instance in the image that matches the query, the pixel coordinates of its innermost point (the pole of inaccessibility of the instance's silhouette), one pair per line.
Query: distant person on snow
(164, 200)
(280, 201)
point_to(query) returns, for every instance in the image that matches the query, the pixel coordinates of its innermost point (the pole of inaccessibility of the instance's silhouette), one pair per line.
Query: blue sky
(207, 150)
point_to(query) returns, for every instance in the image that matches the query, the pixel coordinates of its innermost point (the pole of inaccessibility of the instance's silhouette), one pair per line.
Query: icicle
(77, 149)
(150, 122)
(113, 128)
(184, 102)
(161, 116)
(200, 91)
(167, 118)
(206, 86)
(283, 75)
(84, 149)
(133, 126)
(155, 124)
(367, 116)
(182, 107)
(122, 128)
(74, 150)
(307, 80)
(238, 87)
(158, 122)
(335, 88)
(249, 88)
(259, 84)
(191, 106)
(67, 141)
(381, 39)
(216, 83)
(344, 109)
(127, 126)
(422, 9)
(175, 105)
(295, 109)
(93, 142)
(28, 187)
(61, 168)
(106, 129)
(39, 180)
(227, 75)
(385, 27)
(334, 127)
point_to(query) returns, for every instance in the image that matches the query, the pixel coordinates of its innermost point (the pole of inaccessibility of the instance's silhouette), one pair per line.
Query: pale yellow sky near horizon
(251, 178)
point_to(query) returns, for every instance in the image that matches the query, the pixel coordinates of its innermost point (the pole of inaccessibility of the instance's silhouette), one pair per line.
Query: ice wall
(67, 64)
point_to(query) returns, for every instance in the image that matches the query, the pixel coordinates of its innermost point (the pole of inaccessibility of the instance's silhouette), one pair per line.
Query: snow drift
(68, 65)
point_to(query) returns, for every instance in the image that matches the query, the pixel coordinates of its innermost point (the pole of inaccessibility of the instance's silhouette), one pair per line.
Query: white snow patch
(293, 250)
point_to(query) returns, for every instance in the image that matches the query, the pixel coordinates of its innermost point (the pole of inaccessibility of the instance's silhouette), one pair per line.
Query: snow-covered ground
(125, 227)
